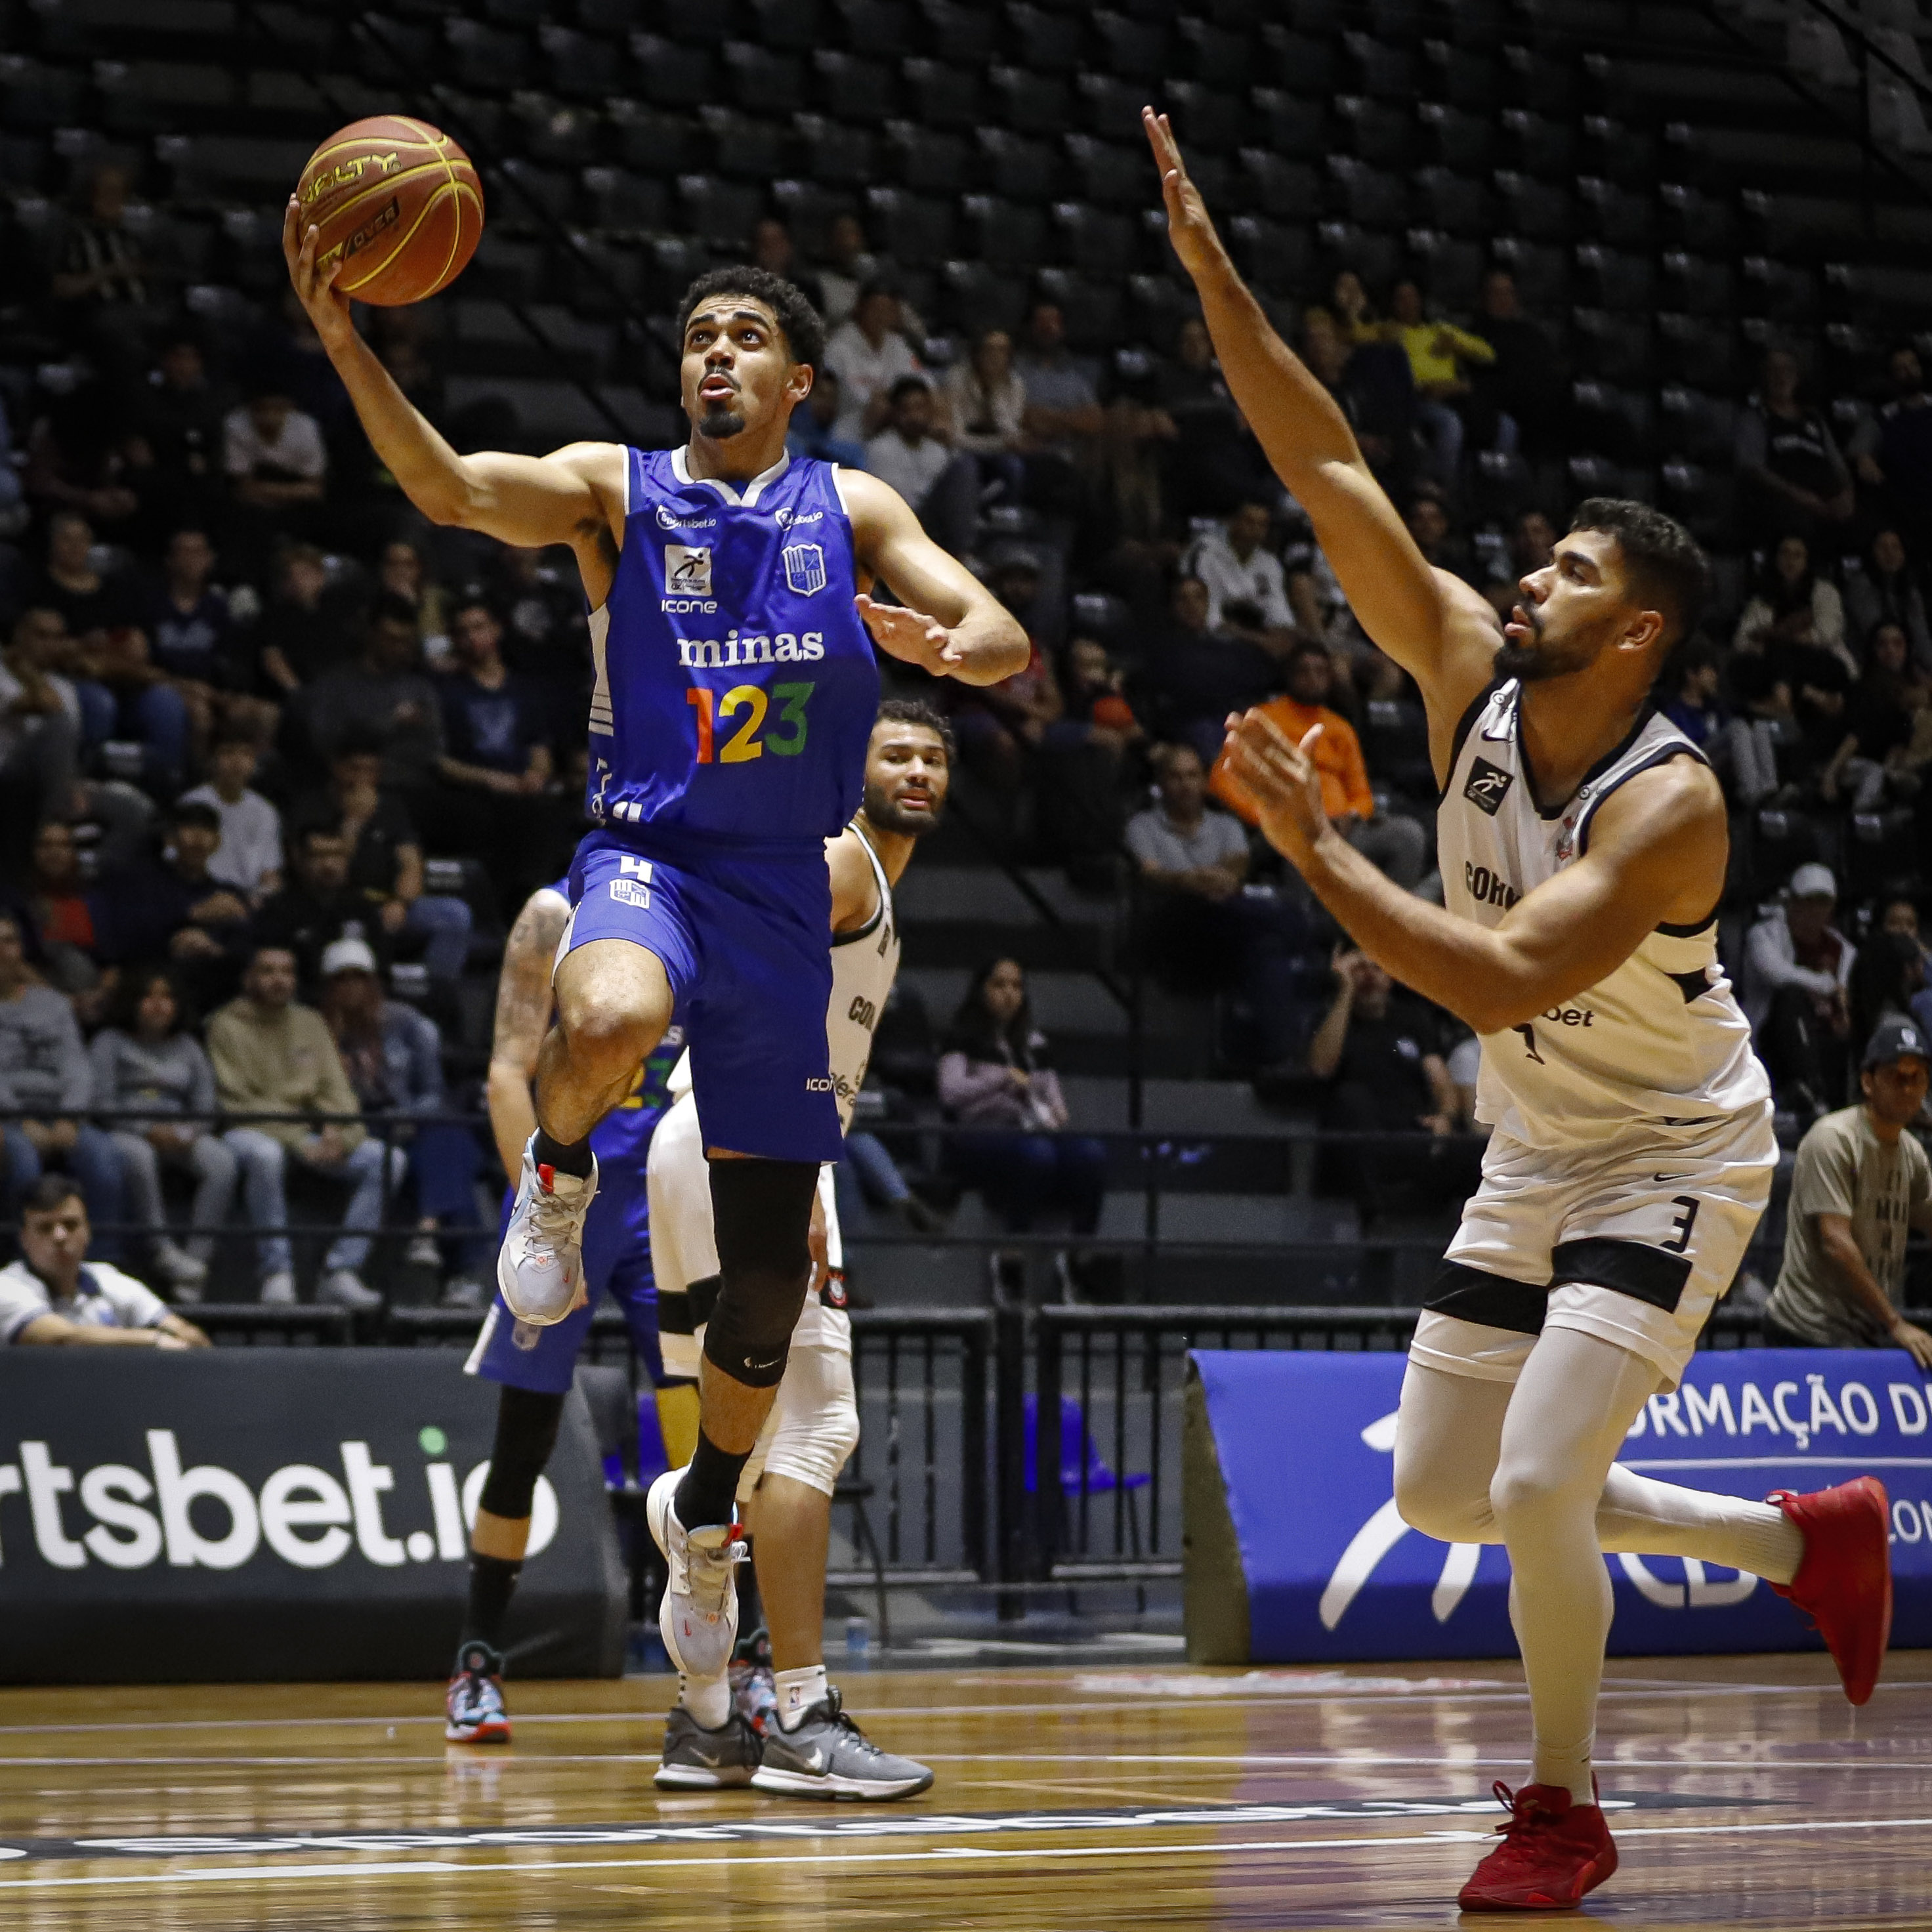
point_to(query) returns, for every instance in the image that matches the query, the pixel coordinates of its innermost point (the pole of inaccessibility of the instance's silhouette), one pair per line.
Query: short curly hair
(804, 328)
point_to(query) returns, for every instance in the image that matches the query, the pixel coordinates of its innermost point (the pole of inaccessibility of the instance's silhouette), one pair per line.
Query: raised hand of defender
(315, 287)
(910, 636)
(1188, 227)
(1280, 775)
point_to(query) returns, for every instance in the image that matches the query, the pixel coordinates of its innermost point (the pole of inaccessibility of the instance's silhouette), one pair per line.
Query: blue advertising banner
(1306, 1440)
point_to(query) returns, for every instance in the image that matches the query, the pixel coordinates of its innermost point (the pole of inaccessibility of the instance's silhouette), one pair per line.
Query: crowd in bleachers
(257, 715)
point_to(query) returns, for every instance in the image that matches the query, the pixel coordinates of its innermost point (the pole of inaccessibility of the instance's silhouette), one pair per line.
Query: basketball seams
(336, 210)
(401, 243)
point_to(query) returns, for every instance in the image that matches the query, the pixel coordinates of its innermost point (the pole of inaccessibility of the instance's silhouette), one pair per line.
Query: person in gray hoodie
(146, 1066)
(46, 1087)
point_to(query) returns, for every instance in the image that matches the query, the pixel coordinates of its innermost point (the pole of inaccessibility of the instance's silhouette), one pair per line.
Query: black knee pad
(526, 1421)
(762, 1212)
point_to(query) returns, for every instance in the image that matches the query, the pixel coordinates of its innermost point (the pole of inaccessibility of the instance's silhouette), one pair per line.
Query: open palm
(1188, 226)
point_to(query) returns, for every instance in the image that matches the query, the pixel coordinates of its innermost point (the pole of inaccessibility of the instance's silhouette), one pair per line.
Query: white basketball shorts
(1634, 1240)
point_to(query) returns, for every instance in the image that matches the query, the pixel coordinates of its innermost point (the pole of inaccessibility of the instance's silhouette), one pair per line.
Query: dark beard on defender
(1524, 662)
(887, 817)
(720, 421)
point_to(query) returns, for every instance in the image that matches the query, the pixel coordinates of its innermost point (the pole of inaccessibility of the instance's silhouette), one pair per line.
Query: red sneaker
(1553, 1851)
(1844, 1583)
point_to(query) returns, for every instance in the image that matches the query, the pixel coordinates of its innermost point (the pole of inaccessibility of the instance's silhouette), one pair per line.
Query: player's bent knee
(527, 1425)
(1526, 1494)
(1449, 1512)
(763, 1212)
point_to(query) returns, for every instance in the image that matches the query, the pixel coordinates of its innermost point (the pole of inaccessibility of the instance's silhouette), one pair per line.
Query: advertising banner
(234, 1514)
(1297, 1448)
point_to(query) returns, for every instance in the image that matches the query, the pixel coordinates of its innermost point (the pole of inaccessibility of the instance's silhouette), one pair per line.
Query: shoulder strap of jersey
(879, 879)
(1668, 744)
(1465, 725)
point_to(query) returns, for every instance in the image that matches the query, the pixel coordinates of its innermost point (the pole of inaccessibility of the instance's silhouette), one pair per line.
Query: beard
(1532, 662)
(889, 816)
(719, 421)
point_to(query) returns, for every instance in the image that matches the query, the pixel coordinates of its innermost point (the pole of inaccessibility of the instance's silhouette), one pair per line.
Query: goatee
(1523, 662)
(719, 421)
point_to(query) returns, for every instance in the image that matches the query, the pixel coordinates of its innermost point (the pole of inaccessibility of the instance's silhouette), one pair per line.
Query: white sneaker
(464, 1290)
(177, 1267)
(347, 1289)
(698, 1619)
(540, 1266)
(278, 1290)
(424, 1253)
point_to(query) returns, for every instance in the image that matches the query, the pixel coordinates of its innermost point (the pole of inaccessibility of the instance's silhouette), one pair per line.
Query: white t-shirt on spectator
(107, 1299)
(863, 373)
(297, 452)
(251, 838)
(910, 468)
(1155, 840)
(1259, 581)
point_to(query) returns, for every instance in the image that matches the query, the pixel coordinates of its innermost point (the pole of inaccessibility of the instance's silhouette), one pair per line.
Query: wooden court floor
(1069, 1800)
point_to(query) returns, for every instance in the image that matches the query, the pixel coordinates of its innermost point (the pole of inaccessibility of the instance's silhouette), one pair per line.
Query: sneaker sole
(1600, 1868)
(481, 1734)
(701, 1777)
(804, 1784)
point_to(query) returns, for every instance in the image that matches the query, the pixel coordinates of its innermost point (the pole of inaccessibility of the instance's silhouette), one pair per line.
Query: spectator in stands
(1532, 542)
(383, 696)
(1399, 846)
(1798, 967)
(1083, 750)
(1861, 1182)
(1193, 675)
(994, 1080)
(1893, 456)
(180, 417)
(1204, 932)
(1526, 382)
(1209, 456)
(1440, 359)
(1000, 726)
(45, 1080)
(1378, 1050)
(402, 575)
(92, 600)
(1887, 977)
(249, 858)
(146, 1061)
(847, 268)
(320, 905)
(56, 904)
(192, 641)
(277, 464)
(1442, 546)
(1063, 416)
(386, 860)
(172, 906)
(273, 1057)
(986, 401)
(54, 1295)
(40, 725)
(1794, 626)
(1372, 386)
(1870, 763)
(868, 353)
(83, 457)
(102, 284)
(310, 626)
(1692, 682)
(813, 430)
(1886, 590)
(393, 1056)
(1238, 569)
(497, 761)
(1792, 479)
(910, 454)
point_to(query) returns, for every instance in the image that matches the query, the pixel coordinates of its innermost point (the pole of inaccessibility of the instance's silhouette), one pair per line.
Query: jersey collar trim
(1647, 712)
(681, 469)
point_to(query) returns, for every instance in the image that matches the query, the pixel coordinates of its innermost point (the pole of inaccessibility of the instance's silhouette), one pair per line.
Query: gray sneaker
(346, 1289)
(278, 1289)
(829, 1756)
(696, 1759)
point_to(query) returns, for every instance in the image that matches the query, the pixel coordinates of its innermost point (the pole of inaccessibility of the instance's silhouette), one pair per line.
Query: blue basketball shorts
(747, 944)
(616, 1262)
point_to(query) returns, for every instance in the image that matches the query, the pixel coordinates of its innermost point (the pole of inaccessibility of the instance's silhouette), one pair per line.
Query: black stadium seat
(1011, 164)
(851, 87)
(762, 82)
(943, 94)
(1005, 234)
(1108, 172)
(1208, 117)
(1046, 42)
(879, 29)
(673, 76)
(1099, 243)
(929, 159)
(979, 297)
(1034, 103)
(910, 228)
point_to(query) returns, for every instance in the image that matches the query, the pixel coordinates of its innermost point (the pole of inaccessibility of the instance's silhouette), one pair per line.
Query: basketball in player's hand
(397, 203)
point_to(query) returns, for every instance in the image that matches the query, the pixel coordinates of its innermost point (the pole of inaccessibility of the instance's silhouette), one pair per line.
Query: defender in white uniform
(784, 1494)
(1583, 846)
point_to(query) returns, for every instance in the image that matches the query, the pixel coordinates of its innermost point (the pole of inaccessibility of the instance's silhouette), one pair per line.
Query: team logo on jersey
(688, 569)
(804, 567)
(1488, 786)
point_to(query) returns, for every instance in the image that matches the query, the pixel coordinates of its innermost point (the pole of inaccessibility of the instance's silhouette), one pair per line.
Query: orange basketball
(398, 202)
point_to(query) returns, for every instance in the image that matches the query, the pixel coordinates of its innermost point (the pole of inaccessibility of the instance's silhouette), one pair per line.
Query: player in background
(735, 690)
(1583, 844)
(806, 1746)
(534, 1366)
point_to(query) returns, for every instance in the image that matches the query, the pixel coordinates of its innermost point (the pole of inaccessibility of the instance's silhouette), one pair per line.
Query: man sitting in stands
(53, 1293)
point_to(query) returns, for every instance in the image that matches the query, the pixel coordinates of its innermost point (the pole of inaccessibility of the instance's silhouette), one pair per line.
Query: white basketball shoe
(540, 1266)
(698, 1619)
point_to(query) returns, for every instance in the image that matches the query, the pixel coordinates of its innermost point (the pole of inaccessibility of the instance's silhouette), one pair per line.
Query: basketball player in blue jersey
(534, 1366)
(736, 688)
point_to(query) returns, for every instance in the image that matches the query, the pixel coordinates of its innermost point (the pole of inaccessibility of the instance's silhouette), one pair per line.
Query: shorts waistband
(695, 850)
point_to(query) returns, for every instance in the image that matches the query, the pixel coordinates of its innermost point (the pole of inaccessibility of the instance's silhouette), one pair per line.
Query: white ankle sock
(707, 1699)
(798, 1691)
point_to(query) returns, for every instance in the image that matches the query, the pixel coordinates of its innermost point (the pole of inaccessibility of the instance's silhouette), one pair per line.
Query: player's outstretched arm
(947, 620)
(566, 497)
(523, 1018)
(1657, 849)
(1438, 630)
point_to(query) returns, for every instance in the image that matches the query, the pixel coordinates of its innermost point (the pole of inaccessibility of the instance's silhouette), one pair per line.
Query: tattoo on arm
(523, 992)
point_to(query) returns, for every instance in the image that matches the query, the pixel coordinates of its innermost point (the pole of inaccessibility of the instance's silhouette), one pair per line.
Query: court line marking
(1778, 1461)
(941, 1854)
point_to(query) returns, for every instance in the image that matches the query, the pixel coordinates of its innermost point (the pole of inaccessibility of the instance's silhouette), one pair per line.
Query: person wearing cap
(393, 1056)
(1798, 967)
(1862, 1179)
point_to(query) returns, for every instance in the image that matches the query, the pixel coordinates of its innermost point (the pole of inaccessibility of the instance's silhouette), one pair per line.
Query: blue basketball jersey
(735, 687)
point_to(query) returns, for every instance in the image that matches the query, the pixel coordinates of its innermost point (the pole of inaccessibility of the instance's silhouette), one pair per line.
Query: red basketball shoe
(1844, 1583)
(1553, 1851)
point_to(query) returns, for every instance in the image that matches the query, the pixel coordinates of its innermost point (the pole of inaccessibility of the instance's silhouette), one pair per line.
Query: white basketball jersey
(864, 965)
(1659, 1045)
